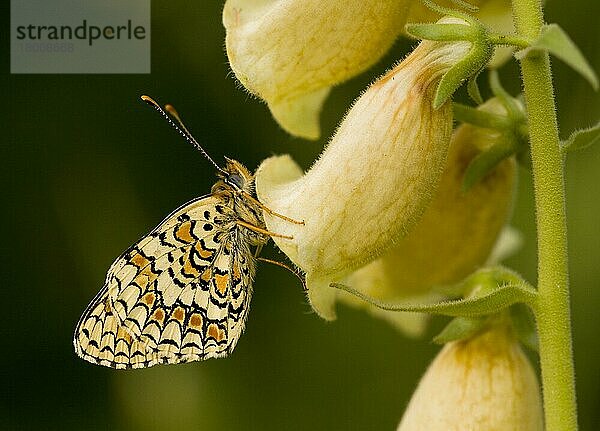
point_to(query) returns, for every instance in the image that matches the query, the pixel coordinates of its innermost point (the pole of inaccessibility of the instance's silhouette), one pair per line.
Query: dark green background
(88, 168)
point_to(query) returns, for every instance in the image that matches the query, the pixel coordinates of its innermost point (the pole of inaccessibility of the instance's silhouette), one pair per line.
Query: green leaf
(557, 42)
(485, 280)
(460, 328)
(523, 323)
(488, 303)
(581, 139)
(444, 32)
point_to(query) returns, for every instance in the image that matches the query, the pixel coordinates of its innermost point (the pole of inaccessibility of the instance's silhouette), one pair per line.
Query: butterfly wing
(242, 271)
(180, 294)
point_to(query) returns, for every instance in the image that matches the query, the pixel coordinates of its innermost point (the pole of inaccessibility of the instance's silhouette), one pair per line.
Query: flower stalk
(552, 311)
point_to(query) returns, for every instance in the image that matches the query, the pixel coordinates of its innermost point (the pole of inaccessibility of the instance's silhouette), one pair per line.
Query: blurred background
(89, 168)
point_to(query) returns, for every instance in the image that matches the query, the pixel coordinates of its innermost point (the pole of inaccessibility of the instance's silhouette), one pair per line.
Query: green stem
(552, 310)
(479, 118)
(509, 39)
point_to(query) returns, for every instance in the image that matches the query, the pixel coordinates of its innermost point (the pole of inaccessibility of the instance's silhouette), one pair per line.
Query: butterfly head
(236, 176)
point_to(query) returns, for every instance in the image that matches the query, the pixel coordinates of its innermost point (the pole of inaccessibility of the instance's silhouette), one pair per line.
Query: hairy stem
(552, 310)
(509, 39)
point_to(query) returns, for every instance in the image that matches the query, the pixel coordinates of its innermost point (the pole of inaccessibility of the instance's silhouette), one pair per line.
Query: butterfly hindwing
(101, 340)
(177, 295)
(240, 292)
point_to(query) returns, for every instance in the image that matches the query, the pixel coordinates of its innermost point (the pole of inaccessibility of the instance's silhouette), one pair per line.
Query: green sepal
(581, 139)
(520, 316)
(465, 5)
(432, 5)
(514, 108)
(474, 61)
(557, 42)
(512, 133)
(473, 89)
(485, 162)
(479, 117)
(494, 301)
(523, 324)
(474, 32)
(442, 32)
(460, 328)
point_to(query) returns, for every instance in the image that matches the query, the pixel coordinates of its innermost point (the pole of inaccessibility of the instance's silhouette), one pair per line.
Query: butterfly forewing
(179, 294)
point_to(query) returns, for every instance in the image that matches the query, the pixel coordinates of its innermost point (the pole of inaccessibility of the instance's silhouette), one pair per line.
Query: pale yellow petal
(283, 50)
(457, 232)
(300, 116)
(484, 383)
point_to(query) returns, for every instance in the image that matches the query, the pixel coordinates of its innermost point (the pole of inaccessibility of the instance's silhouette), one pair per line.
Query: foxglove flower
(291, 52)
(454, 237)
(373, 181)
(482, 383)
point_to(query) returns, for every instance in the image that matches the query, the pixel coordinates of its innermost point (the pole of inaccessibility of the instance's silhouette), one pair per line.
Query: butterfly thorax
(236, 187)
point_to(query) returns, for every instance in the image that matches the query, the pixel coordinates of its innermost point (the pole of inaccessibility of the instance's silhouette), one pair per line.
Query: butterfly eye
(235, 180)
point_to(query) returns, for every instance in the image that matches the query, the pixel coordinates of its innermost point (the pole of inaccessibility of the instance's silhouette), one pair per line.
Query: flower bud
(289, 53)
(373, 181)
(456, 234)
(483, 383)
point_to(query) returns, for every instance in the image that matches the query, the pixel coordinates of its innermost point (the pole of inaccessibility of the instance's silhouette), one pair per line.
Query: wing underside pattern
(179, 294)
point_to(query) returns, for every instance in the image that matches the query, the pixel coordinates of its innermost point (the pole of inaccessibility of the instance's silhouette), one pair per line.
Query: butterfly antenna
(179, 126)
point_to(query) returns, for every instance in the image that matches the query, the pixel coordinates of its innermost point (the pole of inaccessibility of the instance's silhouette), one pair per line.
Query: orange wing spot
(196, 321)
(146, 276)
(149, 298)
(221, 282)
(216, 333)
(203, 252)
(159, 315)
(236, 271)
(207, 274)
(139, 260)
(178, 314)
(184, 233)
(121, 333)
(189, 269)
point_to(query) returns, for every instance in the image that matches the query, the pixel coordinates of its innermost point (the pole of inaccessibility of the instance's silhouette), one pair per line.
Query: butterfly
(182, 292)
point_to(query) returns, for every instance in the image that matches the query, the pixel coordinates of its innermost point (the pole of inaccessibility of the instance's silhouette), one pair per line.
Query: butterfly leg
(261, 230)
(269, 210)
(283, 265)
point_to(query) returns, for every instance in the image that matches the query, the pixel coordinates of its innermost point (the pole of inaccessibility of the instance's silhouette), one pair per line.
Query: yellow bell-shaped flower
(483, 383)
(374, 180)
(454, 237)
(291, 52)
